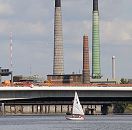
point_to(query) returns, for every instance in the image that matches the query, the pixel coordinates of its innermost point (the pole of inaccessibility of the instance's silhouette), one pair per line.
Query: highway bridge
(65, 93)
(46, 98)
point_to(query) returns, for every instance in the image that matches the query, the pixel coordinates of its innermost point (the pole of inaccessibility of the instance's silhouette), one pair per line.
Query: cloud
(118, 32)
(5, 9)
(25, 30)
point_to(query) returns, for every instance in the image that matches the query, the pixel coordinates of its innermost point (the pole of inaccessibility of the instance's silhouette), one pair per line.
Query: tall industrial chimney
(58, 63)
(113, 67)
(86, 69)
(96, 71)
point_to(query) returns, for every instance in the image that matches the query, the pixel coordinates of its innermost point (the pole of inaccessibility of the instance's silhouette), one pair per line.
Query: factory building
(65, 79)
(5, 72)
(75, 78)
(58, 67)
(33, 79)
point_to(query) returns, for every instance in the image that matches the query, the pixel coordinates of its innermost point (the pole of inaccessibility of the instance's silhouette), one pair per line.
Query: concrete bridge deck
(67, 93)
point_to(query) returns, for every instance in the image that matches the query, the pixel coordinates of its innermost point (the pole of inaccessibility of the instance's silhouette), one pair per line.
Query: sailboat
(77, 111)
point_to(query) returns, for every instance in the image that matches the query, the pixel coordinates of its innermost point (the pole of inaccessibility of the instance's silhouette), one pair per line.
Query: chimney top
(95, 5)
(57, 3)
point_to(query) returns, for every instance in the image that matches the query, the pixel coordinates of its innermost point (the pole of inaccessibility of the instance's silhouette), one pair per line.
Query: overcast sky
(32, 24)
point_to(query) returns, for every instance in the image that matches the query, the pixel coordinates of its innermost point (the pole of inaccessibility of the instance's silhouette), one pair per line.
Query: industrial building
(58, 66)
(5, 72)
(67, 78)
(58, 75)
(33, 79)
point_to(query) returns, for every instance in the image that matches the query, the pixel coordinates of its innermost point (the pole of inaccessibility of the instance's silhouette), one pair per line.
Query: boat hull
(77, 118)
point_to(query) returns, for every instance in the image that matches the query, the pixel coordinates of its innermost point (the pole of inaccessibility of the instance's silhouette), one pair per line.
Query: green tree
(120, 107)
(123, 81)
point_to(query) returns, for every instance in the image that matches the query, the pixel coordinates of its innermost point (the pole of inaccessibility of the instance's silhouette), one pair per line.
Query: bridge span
(51, 99)
(65, 93)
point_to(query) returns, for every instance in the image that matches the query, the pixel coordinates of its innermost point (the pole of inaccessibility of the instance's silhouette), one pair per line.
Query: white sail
(77, 108)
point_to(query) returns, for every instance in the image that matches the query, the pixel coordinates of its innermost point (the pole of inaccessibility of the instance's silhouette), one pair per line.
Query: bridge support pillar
(32, 109)
(49, 108)
(3, 109)
(61, 108)
(68, 109)
(40, 109)
(55, 108)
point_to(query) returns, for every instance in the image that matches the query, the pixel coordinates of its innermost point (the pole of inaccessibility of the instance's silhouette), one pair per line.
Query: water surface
(60, 123)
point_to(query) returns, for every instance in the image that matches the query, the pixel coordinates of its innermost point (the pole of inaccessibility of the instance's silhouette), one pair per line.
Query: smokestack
(95, 5)
(57, 3)
(58, 63)
(86, 70)
(96, 71)
(113, 67)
